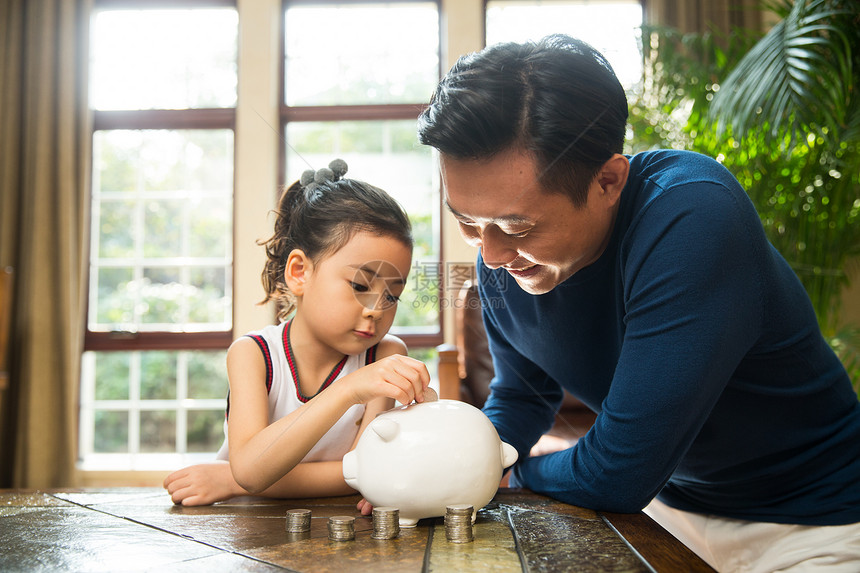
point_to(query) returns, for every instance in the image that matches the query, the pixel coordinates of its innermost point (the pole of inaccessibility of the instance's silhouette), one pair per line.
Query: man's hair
(557, 99)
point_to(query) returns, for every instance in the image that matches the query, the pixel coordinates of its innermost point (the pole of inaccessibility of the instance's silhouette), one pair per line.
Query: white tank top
(285, 396)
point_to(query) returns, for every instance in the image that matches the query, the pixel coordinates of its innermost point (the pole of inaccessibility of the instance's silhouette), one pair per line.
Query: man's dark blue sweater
(697, 346)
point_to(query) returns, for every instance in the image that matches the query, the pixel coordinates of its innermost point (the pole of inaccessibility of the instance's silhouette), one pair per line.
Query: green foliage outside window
(782, 113)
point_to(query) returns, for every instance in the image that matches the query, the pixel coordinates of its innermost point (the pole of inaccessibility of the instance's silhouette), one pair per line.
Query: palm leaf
(798, 76)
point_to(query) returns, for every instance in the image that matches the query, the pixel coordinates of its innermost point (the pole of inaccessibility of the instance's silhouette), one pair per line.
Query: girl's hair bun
(335, 170)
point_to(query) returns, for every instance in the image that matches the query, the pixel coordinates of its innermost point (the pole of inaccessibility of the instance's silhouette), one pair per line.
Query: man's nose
(496, 248)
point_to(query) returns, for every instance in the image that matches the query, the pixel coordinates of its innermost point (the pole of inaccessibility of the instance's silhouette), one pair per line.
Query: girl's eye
(358, 287)
(391, 299)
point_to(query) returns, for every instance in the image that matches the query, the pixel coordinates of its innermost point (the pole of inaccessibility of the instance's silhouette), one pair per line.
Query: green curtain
(44, 166)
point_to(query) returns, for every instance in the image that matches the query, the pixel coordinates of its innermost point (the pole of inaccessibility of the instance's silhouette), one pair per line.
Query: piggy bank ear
(509, 455)
(385, 428)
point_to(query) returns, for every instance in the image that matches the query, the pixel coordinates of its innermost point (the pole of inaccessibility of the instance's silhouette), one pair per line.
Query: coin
(341, 528)
(386, 522)
(298, 520)
(430, 395)
(458, 523)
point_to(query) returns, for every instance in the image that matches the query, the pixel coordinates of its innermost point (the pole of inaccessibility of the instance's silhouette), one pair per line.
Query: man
(646, 287)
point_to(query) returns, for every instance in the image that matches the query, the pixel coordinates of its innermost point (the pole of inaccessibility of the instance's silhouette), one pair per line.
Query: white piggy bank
(424, 457)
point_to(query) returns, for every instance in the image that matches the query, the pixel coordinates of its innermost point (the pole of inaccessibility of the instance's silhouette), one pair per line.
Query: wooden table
(139, 529)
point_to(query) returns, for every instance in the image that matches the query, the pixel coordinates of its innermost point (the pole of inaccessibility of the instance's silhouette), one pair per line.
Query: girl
(302, 392)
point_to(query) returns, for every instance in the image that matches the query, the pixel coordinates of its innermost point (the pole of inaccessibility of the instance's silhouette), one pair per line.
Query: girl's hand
(364, 507)
(399, 377)
(202, 484)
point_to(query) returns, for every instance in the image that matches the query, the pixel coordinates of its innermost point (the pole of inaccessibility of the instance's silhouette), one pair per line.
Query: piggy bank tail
(509, 455)
(350, 469)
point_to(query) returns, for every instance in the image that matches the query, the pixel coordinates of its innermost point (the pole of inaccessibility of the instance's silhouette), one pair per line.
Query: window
(611, 26)
(357, 96)
(170, 162)
(163, 94)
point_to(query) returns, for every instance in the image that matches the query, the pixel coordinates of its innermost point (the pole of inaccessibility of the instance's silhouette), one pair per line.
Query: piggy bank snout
(350, 469)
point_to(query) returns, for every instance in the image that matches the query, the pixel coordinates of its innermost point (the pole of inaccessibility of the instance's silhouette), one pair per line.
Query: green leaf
(804, 63)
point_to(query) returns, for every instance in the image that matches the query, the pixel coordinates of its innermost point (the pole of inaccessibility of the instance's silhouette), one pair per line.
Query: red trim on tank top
(295, 373)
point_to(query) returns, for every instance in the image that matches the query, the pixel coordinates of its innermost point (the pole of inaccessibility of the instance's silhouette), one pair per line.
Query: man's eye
(517, 234)
(468, 228)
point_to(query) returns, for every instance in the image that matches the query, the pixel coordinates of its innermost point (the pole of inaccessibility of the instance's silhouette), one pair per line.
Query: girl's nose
(374, 305)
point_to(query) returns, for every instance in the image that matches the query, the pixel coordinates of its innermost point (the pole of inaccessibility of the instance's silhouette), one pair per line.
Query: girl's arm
(262, 454)
(321, 479)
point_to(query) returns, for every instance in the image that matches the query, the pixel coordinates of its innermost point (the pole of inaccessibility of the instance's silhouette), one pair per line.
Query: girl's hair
(321, 217)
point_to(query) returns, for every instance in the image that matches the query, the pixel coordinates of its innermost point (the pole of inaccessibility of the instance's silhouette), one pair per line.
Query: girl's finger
(414, 377)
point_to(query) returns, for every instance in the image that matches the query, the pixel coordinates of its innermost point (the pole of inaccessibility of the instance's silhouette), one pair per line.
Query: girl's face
(350, 297)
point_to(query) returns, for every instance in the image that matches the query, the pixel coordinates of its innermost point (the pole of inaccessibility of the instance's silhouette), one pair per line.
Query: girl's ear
(297, 270)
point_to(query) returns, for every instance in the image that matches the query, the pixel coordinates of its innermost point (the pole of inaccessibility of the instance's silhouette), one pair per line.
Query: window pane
(116, 228)
(163, 59)
(157, 375)
(205, 430)
(612, 27)
(162, 228)
(111, 432)
(207, 375)
(162, 248)
(157, 431)
(209, 226)
(112, 375)
(199, 160)
(207, 296)
(385, 154)
(384, 53)
(162, 297)
(151, 410)
(114, 299)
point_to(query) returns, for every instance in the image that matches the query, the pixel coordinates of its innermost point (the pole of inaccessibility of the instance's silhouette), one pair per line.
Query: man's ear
(613, 176)
(297, 270)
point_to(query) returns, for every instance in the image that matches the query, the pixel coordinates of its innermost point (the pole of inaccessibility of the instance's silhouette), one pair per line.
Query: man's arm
(693, 306)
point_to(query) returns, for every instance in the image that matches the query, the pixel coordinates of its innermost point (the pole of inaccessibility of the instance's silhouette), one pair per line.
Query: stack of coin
(386, 522)
(298, 520)
(341, 528)
(458, 523)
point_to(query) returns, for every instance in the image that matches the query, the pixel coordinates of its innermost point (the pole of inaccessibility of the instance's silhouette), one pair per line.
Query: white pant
(738, 546)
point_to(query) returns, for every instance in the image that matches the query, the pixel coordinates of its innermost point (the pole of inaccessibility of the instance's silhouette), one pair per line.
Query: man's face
(540, 238)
